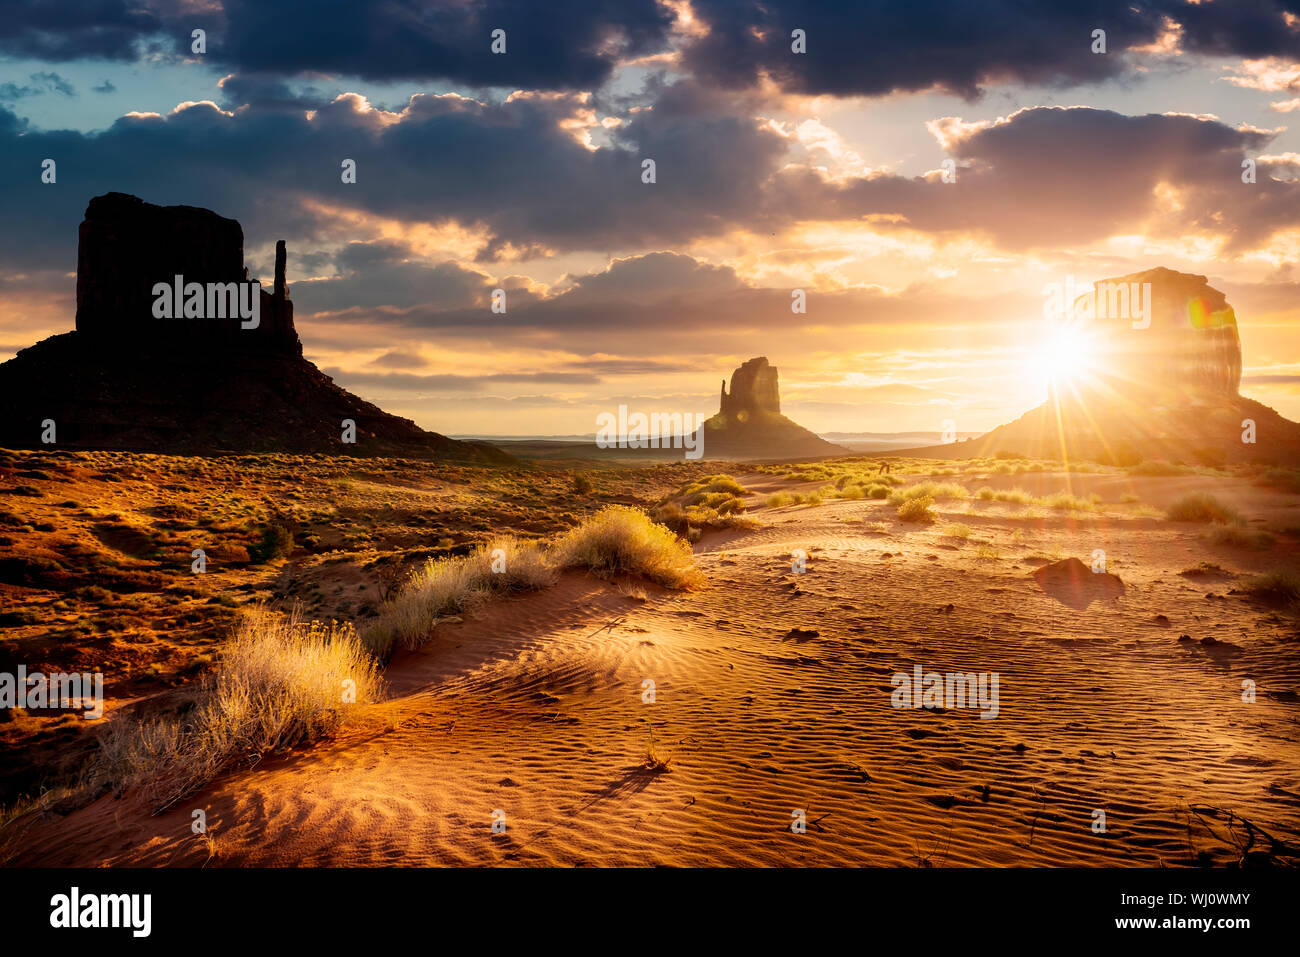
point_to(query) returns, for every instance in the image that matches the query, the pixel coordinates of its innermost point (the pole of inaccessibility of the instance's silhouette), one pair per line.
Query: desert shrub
(1016, 496)
(712, 483)
(1158, 467)
(1065, 502)
(1202, 507)
(1286, 479)
(853, 492)
(778, 499)
(276, 542)
(956, 530)
(1007, 454)
(985, 494)
(935, 491)
(919, 510)
(1281, 587)
(1234, 536)
(29, 490)
(816, 473)
(622, 540)
(446, 586)
(582, 484)
(279, 684)
(878, 491)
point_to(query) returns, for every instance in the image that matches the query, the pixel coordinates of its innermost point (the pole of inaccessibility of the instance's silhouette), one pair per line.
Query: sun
(1067, 356)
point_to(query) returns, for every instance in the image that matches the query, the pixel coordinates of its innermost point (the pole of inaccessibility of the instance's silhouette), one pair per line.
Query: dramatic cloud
(76, 29)
(1052, 175)
(881, 46)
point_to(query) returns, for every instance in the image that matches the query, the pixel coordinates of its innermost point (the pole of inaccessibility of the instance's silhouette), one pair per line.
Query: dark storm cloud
(509, 167)
(854, 48)
(375, 274)
(569, 45)
(881, 46)
(653, 275)
(76, 29)
(1245, 28)
(1042, 177)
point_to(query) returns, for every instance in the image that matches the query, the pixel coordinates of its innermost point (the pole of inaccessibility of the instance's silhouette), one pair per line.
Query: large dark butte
(749, 423)
(1166, 391)
(126, 380)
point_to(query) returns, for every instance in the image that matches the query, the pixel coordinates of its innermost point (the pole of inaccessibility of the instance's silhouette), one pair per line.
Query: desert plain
(745, 717)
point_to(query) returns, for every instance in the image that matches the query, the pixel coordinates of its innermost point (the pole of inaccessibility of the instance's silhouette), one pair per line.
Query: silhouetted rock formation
(128, 380)
(1189, 353)
(754, 391)
(126, 246)
(1167, 390)
(749, 423)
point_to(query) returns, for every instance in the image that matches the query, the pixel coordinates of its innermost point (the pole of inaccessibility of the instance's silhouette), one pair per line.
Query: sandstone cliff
(749, 423)
(127, 380)
(1163, 389)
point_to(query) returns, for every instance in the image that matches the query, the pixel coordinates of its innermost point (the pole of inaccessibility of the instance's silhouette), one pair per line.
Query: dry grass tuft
(280, 683)
(919, 510)
(1201, 507)
(447, 586)
(619, 540)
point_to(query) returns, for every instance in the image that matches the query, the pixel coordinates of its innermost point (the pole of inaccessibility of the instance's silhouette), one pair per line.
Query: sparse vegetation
(1281, 588)
(621, 540)
(447, 586)
(919, 510)
(280, 683)
(1202, 507)
(935, 491)
(1234, 536)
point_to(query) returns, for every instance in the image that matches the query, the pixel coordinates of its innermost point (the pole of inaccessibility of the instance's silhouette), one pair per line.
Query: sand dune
(773, 695)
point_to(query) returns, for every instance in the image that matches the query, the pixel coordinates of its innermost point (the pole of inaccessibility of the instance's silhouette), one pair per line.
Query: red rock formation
(126, 380)
(1163, 389)
(1186, 351)
(749, 423)
(754, 391)
(126, 246)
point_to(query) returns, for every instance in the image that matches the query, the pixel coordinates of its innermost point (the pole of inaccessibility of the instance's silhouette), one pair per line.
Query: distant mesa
(749, 423)
(1163, 389)
(126, 379)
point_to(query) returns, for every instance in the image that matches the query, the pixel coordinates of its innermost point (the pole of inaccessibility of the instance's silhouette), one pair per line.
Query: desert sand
(772, 694)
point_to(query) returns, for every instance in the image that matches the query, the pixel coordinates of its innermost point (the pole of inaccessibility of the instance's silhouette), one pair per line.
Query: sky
(922, 172)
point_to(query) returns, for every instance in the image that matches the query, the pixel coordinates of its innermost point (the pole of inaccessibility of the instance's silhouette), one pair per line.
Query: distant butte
(1163, 386)
(749, 423)
(129, 381)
